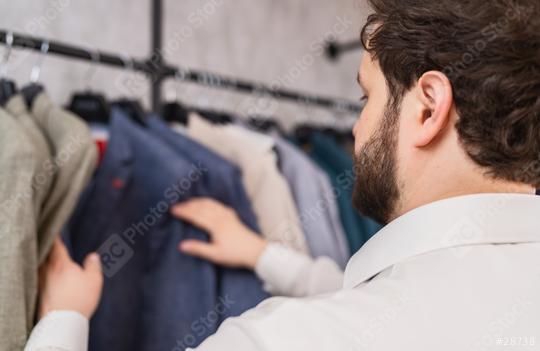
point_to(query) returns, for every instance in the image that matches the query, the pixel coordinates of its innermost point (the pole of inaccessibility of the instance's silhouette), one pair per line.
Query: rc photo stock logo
(114, 253)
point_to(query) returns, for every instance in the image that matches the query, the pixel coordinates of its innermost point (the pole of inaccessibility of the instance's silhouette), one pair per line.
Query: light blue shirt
(316, 203)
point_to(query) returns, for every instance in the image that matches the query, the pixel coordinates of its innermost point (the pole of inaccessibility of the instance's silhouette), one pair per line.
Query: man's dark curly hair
(490, 51)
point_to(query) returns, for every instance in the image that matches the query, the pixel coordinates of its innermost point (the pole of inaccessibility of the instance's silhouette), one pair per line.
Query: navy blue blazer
(155, 297)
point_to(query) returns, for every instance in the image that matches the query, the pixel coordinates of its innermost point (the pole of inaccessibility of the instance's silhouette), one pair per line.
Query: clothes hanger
(32, 90)
(265, 124)
(216, 117)
(174, 111)
(7, 86)
(131, 107)
(90, 106)
(178, 112)
(303, 132)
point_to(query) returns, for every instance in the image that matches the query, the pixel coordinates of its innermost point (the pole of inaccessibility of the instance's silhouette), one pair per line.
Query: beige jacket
(46, 161)
(74, 158)
(268, 191)
(18, 250)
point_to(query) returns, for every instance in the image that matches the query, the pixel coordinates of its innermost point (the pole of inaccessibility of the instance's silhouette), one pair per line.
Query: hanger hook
(95, 56)
(36, 70)
(129, 65)
(7, 52)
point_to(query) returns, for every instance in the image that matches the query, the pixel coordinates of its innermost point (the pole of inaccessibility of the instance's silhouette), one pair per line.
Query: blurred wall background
(272, 41)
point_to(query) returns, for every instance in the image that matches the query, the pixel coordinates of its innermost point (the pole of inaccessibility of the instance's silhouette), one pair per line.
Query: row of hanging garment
(301, 199)
(293, 189)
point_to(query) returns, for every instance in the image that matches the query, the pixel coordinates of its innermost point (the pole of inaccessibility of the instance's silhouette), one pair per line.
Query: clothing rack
(157, 70)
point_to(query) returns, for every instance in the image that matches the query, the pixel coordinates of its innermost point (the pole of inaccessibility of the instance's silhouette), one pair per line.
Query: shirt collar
(459, 221)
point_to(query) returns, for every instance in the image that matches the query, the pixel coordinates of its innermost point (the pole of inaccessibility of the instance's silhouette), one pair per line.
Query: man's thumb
(92, 264)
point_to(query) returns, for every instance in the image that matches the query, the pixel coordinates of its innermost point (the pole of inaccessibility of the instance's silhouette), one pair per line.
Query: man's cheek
(360, 133)
(358, 146)
(362, 137)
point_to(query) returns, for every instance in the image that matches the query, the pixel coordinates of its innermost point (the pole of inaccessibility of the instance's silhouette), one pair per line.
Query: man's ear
(434, 93)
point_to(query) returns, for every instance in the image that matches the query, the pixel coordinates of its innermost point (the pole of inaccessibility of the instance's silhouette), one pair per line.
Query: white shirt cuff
(60, 330)
(279, 268)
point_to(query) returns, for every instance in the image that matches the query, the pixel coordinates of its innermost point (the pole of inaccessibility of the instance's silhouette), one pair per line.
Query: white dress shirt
(457, 274)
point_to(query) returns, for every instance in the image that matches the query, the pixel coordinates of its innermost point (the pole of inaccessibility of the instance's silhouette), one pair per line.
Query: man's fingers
(200, 249)
(196, 211)
(92, 265)
(58, 252)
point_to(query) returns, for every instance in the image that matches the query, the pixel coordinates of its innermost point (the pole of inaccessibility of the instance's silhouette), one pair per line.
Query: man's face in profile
(376, 193)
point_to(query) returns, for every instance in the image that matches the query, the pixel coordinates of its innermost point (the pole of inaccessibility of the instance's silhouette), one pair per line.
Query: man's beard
(376, 189)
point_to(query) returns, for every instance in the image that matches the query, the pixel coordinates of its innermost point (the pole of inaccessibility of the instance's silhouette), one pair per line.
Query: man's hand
(231, 243)
(64, 285)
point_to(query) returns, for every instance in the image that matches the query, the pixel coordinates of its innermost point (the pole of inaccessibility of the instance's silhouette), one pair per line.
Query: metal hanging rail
(261, 90)
(71, 51)
(158, 70)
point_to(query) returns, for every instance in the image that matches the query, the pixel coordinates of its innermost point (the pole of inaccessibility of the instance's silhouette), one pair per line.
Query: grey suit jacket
(46, 161)
(74, 158)
(46, 175)
(18, 249)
